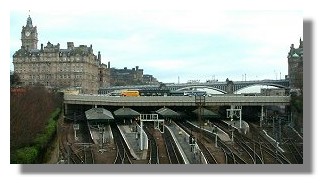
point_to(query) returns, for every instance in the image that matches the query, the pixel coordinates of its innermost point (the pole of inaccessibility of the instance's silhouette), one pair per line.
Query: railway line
(259, 149)
(251, 148)
(207, 153)
(207, 138)
(153, 148)
(173, 153)
(271, 152)
(123, 153)
(233, 157)
(294, 144)
(66, 149)
(296, 155)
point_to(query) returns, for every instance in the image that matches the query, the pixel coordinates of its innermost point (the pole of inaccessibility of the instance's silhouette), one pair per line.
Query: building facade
(149, 79)
(57, 68)
(125, 76)
(273, 92)
(295, 66)
(68, 69)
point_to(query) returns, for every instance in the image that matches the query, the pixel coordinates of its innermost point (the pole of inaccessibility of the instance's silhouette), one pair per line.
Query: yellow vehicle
(130, 93)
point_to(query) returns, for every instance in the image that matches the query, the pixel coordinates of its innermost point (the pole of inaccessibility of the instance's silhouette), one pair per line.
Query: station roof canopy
(206, 113)
(98, 114)
(126, 112)
(166, 112)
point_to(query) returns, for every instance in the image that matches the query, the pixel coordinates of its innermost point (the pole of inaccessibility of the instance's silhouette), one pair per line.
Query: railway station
(161, 131)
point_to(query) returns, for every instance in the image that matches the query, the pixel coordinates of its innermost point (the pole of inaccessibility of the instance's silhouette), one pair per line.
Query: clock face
(27, 33)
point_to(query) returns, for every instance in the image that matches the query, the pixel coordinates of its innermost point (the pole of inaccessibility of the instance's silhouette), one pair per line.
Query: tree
(14, 79)
(29, 113)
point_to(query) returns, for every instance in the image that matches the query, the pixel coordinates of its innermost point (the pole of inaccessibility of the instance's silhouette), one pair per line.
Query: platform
(191, 154)
(208, 127)
(133, 142)
(236, 124)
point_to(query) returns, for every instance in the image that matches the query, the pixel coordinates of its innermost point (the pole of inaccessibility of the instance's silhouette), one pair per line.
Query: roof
(34, 50)
(126, 112)
(206, 113)
(166, 112)
(295, 55)
(98, 114)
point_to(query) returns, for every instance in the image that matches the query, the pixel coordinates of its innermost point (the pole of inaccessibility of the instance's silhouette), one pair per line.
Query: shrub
(26, 155)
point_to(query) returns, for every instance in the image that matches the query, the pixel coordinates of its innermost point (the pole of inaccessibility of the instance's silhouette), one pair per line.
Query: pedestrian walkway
(191, 153)
(133, 142)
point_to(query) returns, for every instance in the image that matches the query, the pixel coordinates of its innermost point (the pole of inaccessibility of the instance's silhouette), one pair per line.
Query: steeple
(29, 36)
(300, 43)
(29, 22)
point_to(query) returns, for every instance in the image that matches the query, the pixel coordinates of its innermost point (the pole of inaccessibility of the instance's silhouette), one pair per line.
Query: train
(161, 92)
(130, 93)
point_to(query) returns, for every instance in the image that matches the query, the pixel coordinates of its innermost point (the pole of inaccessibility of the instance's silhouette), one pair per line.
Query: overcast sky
(174, 43)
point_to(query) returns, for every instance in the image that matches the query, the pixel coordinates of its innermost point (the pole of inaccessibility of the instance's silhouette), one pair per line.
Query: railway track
(294, 151)
(207, 137)
(123, 153)
(173, 153)
(243, 141)
(207, 153)
(154, 158)
(263, 151)
(203, 145)
(271, 153)
(66, 148)
(293, 144)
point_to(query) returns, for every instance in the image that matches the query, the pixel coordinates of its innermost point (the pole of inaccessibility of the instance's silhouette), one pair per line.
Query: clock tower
(29, 35)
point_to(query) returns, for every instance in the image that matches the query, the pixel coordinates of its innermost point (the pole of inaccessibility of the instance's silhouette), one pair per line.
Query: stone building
(57, 68)
(273, 92)
(295, 66)
(70, 69)
(125, 76)
(149, 79)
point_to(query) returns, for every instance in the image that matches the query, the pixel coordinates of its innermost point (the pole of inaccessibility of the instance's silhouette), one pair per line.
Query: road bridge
(171, 101)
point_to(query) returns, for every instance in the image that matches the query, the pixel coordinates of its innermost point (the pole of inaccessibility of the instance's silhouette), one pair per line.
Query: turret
(70, 45)
(99, 57)
(29, 22)
(300, 43)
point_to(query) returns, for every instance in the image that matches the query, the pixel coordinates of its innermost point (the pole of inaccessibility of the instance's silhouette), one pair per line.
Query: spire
(99, 57)
(29, 21)
(300, 43)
